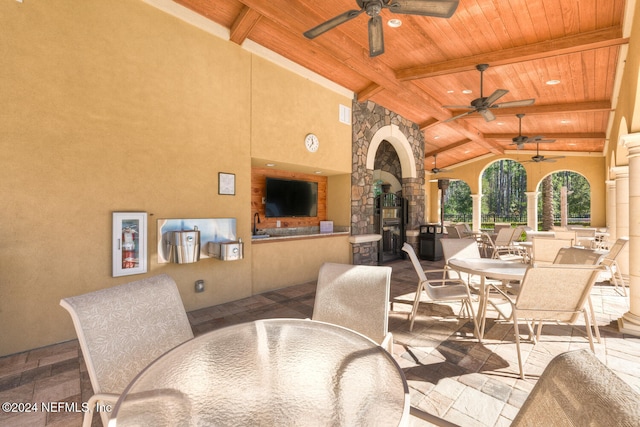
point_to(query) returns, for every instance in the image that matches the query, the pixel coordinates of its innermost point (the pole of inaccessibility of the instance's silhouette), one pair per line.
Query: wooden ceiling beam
(611, 36)
(574, 107)
(447, 148)
(547, 135)
(244, 23)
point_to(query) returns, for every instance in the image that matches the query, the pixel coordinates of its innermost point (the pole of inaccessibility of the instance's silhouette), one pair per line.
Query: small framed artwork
(129, 243)
(226, 183)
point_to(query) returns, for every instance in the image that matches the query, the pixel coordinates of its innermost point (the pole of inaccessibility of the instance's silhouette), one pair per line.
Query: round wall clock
(311, 142)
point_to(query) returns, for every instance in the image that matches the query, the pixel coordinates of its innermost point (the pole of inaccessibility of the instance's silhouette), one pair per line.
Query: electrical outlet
(278, 223)
(199, 286)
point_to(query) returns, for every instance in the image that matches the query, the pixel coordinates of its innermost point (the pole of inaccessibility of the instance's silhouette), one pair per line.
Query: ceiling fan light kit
(483, 105)
(433, 8)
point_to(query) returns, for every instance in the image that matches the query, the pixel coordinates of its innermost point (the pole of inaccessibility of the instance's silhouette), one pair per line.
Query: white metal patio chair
(442, 289)
(355, 297)
(611, 265)
(582, 256)
(544, 249)
(124, 328)
(552, 293)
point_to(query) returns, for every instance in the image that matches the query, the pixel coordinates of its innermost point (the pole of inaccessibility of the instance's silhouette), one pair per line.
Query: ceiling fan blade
(332, 23)
(552, 159)
(487, 114)
(459, 115)
(499, 93)
(376, 36)
(459, 107)
(540, 140)
(520, 103)
(436, 8)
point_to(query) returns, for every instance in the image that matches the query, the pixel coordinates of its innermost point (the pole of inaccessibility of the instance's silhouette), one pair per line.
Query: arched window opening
(565, 200)
(504, 184)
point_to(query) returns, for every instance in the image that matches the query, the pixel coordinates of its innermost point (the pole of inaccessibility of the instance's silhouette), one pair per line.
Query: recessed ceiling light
(450, 91)
(318, 172)
(500, 123)
(394, 23)
(565, 121)
(553, 82)
(436, 137)
(467, 91)
(270, 165)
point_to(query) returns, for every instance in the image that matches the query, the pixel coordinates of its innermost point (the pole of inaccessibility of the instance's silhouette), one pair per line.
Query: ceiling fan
(436, 170)
(520, 140)
(436, 8)
(483, 105)
(538, 158)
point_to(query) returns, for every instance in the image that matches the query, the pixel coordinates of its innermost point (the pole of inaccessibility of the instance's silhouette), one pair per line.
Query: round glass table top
(276, 372)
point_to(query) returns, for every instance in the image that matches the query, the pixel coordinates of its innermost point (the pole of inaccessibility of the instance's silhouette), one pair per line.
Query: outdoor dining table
(267, 373)
(488, 268)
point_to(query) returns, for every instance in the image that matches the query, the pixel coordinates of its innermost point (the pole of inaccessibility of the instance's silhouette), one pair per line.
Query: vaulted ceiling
(562, 53)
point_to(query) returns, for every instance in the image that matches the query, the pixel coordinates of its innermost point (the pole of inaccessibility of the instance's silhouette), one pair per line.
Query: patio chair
(442, 289)
(355, 297)
(598, 396)
(611, 265)
(575, 389)
(582, 256)
(544, 250)
(504, 248)
(552, 293)
(123, 329)
(453, 232)
(585, 237)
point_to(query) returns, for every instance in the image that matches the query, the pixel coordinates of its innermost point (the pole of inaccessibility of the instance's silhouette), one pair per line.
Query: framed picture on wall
(226, 183)
(129, 243)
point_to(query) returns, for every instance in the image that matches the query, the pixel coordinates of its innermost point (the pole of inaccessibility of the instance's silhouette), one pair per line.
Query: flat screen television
(291, 198)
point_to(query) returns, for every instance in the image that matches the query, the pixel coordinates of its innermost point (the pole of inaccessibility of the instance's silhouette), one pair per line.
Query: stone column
(630, 322)
(476, 212)
(611, 210)
(532, 209)
(622, 213)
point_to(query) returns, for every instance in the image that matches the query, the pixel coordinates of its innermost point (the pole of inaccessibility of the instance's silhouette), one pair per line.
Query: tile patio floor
(450, 374)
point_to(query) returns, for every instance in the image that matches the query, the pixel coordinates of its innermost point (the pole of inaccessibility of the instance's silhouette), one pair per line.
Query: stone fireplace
(374, 126)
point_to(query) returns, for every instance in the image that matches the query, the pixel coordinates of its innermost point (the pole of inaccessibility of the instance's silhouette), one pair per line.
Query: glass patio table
(267, 373)
(488, 268)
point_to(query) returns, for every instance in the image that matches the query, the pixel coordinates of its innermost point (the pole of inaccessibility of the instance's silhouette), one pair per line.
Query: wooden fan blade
(540, 140)
(510, 104)
(436, 8)
(460, 107)
(332, 23)
(376, 36)
(487, 114)
(459, 115)
(499, 93)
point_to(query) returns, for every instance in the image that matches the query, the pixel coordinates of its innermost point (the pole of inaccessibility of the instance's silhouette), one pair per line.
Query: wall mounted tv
(291, 198)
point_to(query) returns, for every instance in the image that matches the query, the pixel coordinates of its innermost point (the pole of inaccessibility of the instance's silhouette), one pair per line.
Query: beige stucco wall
(117, 106)
(272, 260)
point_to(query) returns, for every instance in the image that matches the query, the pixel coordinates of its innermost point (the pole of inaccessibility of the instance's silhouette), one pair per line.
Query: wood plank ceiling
(431, 62)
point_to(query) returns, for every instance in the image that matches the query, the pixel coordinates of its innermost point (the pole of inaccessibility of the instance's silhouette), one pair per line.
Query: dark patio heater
(443, 184)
